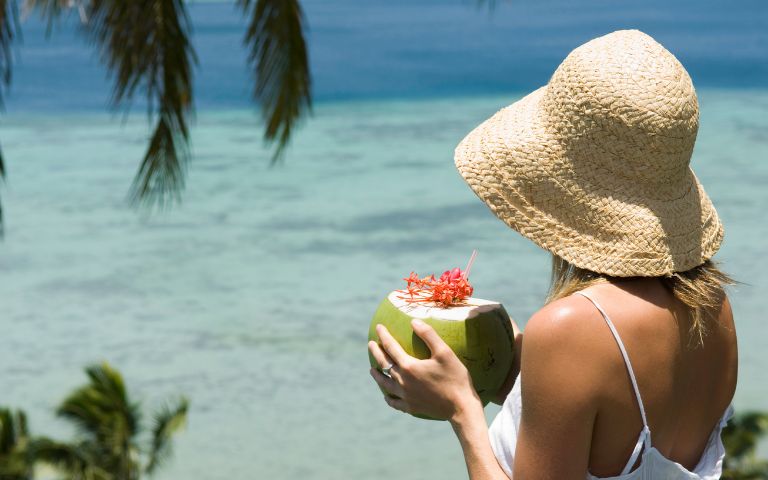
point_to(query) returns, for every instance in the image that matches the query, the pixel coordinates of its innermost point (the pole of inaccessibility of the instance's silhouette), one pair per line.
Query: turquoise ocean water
(253, 296)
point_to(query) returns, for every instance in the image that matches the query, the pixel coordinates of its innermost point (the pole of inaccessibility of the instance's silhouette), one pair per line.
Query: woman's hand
(439, 387)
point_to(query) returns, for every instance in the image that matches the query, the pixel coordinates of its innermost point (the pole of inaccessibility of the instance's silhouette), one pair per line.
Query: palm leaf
(168, 420)
(75, 461)
(13, 430)
(743, 433)
(16, 458)
(161, 175)
(7, 431)
(9, 30)
(741, 437)
(145, 45)
(106, 418)
(49, 10)
(278, 55)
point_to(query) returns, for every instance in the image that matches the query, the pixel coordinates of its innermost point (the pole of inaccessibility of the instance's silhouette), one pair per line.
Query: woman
(629, 369)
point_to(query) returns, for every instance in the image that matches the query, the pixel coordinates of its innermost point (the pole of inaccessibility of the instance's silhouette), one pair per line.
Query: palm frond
(15, 467)
(161, 175)
(16, 459)
(741, 437)
(7, 431)
(106, 418)
(9, 31)
(49, 10)
(743, 433)
(145, 45)
(76, 461)
(13, 429)
(168, 420)
(101, 409)
(278, 55)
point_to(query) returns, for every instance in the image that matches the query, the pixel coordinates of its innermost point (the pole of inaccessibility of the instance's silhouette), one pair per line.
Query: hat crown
(630, 103)
(594, 166)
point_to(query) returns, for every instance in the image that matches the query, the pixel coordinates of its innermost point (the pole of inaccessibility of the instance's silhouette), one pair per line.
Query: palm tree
(145, 45)
(109, 426)
(15, 454)
(74, 461)
(740, 438)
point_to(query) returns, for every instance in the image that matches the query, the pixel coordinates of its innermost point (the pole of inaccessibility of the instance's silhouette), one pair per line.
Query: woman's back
(685, 388)
(594, 167)
(574, 380)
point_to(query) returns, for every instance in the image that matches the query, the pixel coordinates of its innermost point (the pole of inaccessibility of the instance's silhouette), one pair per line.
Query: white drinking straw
(469, 265)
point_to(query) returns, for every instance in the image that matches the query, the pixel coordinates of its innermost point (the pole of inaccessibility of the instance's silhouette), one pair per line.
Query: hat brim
(523, 174)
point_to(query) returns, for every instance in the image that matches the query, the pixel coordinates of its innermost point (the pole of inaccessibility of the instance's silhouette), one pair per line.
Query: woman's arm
(559, 404)
(562, 379)
(472, 432)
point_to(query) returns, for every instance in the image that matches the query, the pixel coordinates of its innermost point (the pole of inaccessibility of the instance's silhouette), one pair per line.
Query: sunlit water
(253, 296)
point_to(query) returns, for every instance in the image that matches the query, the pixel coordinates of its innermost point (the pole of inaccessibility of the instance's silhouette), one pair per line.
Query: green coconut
(478, 331)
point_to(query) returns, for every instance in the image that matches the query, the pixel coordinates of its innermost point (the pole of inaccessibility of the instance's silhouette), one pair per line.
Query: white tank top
(653, 465)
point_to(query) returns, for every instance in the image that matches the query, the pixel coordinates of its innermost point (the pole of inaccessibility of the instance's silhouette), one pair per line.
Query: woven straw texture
(594, 166)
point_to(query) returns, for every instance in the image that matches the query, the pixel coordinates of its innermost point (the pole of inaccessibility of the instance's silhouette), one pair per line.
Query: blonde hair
(701, 289)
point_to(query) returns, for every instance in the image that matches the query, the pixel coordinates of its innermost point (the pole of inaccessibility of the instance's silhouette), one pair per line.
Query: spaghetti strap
(645, 435)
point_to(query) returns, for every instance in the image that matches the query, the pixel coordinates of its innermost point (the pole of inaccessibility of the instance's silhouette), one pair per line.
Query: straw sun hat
(594, 166)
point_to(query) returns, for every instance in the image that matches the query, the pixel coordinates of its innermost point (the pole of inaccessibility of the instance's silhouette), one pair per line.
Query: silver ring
(388, 369)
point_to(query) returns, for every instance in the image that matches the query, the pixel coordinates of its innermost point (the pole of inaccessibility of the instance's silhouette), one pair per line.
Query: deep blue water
(414, 48)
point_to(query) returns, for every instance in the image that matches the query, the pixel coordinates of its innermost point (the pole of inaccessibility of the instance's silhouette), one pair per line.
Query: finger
(387, 384)
(396, 403)
(384, 361)
(379, 355)
(391, 347)
(435, 343)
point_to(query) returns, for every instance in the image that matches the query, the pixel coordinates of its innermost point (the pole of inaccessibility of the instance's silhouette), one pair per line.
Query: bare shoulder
(726, 315)
(567, 325)
(567, 341)
(729, 351)
(560, 315)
